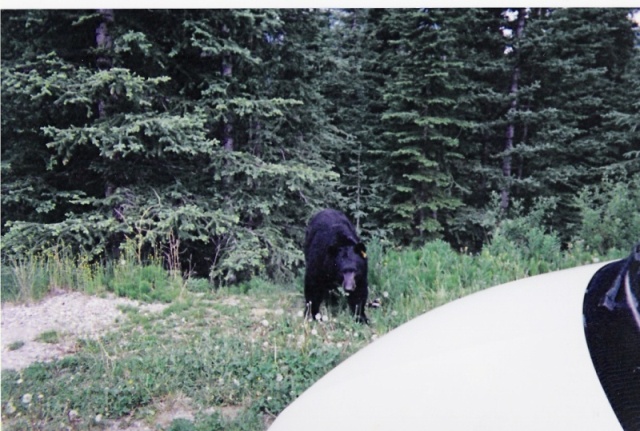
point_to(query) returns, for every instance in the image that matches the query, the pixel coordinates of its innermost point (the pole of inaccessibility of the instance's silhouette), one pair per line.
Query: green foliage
(200, 142)
(609, 215)
(148, 283)
(136, 278)
(211, 136)
(95, 154)
(33, 275)
(24, 280)
(248, 347)
(420, 119)
(566, 143)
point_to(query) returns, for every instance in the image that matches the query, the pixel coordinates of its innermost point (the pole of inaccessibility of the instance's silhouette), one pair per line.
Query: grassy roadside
(233, 358)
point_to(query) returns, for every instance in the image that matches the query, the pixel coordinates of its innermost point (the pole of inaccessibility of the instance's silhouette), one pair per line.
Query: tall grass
(410, 282)
(245, 348)
(33, 276)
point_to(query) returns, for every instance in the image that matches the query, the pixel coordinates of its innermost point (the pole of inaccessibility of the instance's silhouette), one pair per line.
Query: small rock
(10, 408)
(74, 416)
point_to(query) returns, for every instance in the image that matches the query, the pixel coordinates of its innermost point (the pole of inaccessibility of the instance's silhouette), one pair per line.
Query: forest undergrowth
(244, 349)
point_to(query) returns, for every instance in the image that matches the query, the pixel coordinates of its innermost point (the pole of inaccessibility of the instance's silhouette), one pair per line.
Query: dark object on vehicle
(334, 256)
(612, 328)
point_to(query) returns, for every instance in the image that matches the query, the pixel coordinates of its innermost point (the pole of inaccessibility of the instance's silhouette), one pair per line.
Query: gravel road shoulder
(72, 315)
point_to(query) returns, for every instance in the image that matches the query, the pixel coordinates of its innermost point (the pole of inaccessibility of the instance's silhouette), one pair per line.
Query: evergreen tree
(421, 121)
(224, 130)
(196, 128)
(576, 58)
(485, 51)
(621, 126)
(352, 83)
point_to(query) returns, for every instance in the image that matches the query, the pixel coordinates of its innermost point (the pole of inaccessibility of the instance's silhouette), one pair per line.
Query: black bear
(334, 256)
(612, 328)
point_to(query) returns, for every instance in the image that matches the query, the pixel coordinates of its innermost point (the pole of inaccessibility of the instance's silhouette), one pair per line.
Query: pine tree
(421, 121)
(351, 84)
(201, 125)
(575, 58)
(485, 49)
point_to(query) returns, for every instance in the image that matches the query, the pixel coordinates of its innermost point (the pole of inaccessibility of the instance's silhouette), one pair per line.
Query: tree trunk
(227, 73)
(508, 147)
(104, 61)
(104, 43)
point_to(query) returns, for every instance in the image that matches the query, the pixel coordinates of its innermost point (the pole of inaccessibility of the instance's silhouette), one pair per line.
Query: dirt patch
(72, 315)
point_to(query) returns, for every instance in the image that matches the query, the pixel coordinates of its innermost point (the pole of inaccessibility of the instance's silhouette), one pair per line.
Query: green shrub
(146, 283)
(610, 215)
(142, 279)
(199, 285)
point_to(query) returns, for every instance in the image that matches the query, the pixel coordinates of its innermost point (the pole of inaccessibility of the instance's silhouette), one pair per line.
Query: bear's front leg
(357, 304)
(312, 297)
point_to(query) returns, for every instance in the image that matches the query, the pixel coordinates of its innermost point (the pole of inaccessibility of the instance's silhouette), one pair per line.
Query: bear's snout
(349, 281)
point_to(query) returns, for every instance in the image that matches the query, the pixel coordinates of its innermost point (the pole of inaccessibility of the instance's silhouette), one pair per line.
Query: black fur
(612, 328)
(334, 256)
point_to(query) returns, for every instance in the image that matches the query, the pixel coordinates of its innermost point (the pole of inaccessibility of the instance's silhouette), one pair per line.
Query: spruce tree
(576, 59)
(421, 121)
(192, 126)
(352, 86)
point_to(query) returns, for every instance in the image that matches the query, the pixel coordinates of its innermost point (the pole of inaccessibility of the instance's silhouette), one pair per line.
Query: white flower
(26, 398)
(98, 419)
(339, 345)
(385, 294)
(314, 332)
(265, 344)
(325, 318)
(123, 262)
(300, 314)
(265, 323)
(318, 316)
(279, 378)
(10, 408)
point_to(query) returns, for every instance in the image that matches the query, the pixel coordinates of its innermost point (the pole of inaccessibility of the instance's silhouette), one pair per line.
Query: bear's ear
(361, 250)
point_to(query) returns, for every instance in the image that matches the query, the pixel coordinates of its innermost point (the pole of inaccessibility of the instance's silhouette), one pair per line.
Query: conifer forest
(219, 133)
